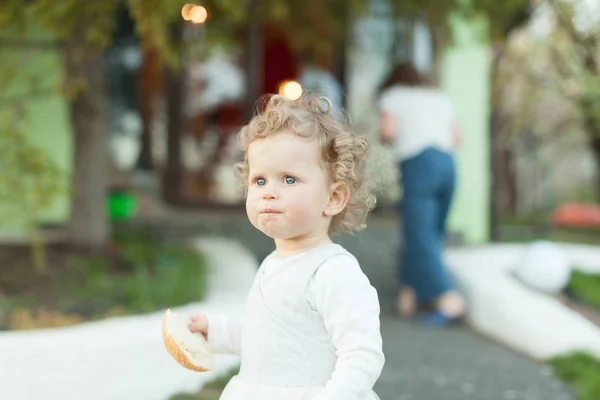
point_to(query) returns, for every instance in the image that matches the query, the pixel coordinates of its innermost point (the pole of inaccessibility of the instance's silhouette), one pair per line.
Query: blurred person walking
(420, 123)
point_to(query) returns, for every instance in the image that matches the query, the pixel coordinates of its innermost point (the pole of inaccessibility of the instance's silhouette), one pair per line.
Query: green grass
(526, 233)
(141, 274)
(155, 275)
(536, 225)
(581, 371)
(144, 287)
(211, 390)
(586, 287)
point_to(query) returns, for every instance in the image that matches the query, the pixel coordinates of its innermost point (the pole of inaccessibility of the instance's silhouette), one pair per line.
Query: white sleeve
(224, 334)
(349, 306)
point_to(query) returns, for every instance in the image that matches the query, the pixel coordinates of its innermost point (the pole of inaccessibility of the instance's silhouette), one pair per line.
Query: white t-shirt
(310, 330)
(424, 117)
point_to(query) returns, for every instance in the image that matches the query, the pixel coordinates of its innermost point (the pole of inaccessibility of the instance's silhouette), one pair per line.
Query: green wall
(37, 87)
(466, 78)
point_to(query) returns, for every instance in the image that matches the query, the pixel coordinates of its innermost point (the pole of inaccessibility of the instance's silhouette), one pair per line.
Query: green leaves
(61, 19)
(319, 23)
(153, 19)
(502, 15)
(30, 181)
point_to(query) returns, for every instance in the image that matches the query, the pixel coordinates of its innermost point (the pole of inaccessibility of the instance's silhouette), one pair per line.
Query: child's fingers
(197, 324)
(195, 328)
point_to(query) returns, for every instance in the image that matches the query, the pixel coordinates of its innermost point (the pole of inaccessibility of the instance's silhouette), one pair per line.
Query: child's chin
(276, 234)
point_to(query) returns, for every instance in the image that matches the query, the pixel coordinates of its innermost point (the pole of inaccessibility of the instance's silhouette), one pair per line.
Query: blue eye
(261, 182)
(290, 180)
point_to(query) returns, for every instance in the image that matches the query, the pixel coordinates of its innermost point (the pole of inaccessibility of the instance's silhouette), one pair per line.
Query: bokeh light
(290, 89)
(186, 11)
(194, 13)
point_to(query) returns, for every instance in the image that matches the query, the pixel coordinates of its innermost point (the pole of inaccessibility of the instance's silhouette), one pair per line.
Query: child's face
(287, 187)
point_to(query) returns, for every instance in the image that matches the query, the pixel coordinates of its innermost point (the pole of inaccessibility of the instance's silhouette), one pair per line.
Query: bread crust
(174, 350)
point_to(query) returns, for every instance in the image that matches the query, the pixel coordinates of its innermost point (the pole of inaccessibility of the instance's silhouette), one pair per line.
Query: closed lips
(269, 211)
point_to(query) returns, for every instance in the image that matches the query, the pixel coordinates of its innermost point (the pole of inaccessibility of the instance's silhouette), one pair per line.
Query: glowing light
(186, 11)
(194, 13)
(290, 89)
(199, 15)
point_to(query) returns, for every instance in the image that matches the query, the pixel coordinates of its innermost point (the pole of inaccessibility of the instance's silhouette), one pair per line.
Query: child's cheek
(302, 210)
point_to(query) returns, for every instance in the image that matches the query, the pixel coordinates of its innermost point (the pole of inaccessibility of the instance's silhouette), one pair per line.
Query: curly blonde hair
(343, 151)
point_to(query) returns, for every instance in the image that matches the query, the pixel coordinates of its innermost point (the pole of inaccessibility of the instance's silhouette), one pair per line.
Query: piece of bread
(189, 349)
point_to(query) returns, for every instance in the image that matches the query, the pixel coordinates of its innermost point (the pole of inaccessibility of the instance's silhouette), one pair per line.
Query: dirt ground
(29, 298)
(589, 312)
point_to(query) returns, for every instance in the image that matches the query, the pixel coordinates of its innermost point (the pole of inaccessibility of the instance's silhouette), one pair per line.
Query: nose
(268, 193)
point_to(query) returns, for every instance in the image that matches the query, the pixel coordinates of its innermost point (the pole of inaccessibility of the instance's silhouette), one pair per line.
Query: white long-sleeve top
(310, 330)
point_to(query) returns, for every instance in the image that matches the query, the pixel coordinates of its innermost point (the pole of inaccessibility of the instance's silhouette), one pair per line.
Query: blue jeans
(428, 181)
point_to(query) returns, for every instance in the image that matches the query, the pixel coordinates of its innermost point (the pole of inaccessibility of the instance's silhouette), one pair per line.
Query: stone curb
(521, 318)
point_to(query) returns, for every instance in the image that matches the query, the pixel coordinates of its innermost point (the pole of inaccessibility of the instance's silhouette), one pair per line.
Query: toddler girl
(310, 329)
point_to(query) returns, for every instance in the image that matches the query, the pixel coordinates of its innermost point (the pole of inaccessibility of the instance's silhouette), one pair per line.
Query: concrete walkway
(457, 364)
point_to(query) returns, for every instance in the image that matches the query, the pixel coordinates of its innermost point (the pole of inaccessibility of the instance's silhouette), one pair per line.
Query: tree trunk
(495, 120)
(150, 87)
(171, 185)
(507, 183)
(592, 129)
(253, 57)
(84, 79)
(439, 40)
(595, 146)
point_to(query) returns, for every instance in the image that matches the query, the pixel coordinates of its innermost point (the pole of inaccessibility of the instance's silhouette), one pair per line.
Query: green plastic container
(122, 205)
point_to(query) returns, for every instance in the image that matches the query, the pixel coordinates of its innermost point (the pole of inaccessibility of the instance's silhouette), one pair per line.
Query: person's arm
(349, 307)
(387, 130)
(456, 134)
(387, 120)
(223, 333)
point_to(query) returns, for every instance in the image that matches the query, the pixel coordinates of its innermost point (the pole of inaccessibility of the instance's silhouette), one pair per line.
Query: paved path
(422, 363)
(452, 364)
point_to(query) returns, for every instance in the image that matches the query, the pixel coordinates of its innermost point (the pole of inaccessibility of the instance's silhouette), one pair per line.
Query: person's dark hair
(402, 74)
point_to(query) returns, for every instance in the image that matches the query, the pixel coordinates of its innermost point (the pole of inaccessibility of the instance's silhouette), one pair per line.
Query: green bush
(154, 275)
(146, 274)
(581, 371)
(178, 282)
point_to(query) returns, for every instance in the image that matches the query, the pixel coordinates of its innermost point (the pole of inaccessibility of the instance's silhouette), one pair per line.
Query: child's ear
(339, 194)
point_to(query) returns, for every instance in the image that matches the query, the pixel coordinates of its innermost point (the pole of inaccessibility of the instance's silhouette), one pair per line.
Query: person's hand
(198, 324)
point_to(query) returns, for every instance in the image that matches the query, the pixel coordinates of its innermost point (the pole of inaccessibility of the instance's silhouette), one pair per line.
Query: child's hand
(198, 324)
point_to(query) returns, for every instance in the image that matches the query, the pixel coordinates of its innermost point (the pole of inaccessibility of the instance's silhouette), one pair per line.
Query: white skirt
(238, 389)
